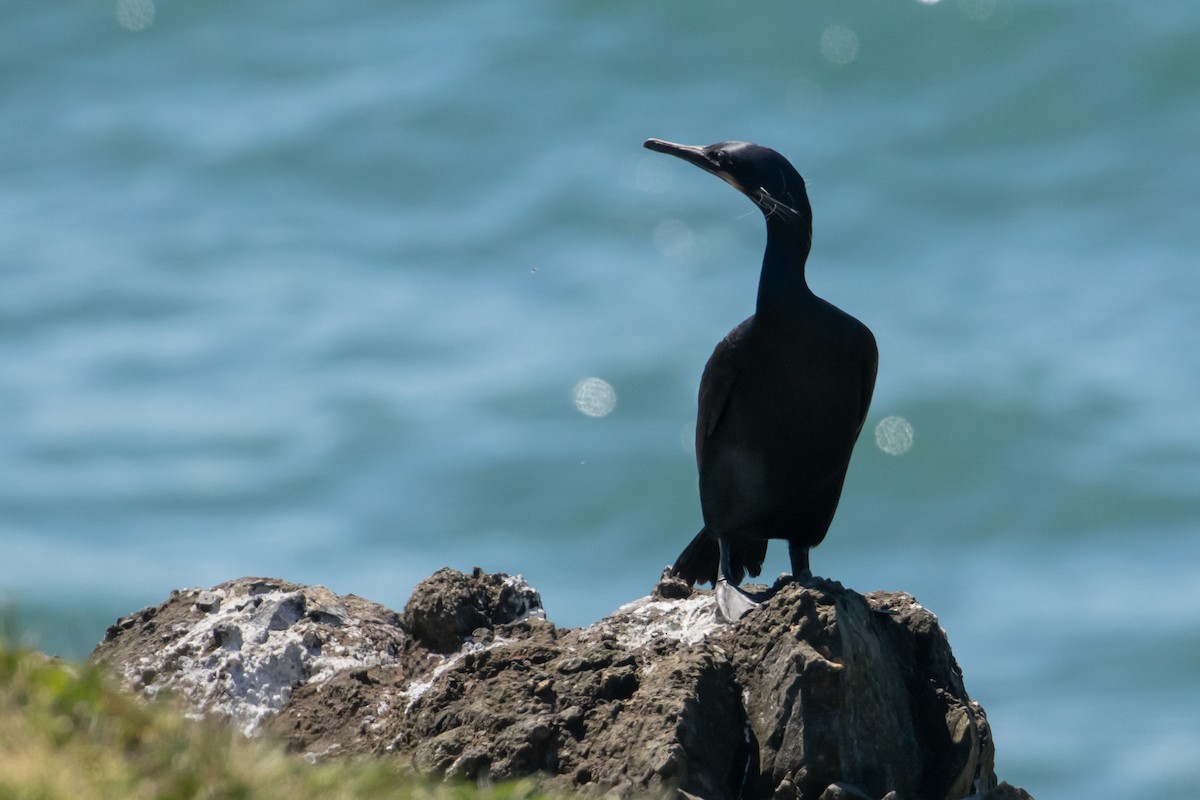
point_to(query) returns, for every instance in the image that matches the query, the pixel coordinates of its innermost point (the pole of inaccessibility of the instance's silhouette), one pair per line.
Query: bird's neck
(782, 286)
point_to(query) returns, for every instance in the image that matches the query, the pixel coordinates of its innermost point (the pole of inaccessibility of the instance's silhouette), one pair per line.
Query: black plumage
(782, 399)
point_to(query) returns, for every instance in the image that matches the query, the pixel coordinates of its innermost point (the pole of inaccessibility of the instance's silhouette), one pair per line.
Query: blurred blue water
(303, 290)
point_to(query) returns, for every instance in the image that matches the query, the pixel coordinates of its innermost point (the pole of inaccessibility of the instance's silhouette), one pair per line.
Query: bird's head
(758, 172)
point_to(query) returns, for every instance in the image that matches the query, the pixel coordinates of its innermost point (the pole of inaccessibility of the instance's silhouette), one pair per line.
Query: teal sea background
(305, 289)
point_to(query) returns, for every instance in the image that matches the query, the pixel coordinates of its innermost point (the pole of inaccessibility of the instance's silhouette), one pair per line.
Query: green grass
(67, 733)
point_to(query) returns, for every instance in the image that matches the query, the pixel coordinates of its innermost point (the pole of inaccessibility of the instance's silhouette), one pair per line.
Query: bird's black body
(783, 397)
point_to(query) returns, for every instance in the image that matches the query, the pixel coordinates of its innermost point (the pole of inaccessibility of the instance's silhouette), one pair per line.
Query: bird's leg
(799, 556)
(732, 602)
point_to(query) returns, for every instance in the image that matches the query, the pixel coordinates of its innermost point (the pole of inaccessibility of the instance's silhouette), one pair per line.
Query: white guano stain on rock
(688, 621)
(243, 657)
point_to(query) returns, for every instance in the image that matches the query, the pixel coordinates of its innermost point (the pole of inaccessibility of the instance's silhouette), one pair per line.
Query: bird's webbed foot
(732, 602)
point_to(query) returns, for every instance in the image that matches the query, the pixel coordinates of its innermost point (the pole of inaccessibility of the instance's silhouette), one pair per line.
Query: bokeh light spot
(687, 438)
(135, 15)
(839, 44)
(673, 238)
(992, 13)
(594, 397)
(652, 175)
(894, 435)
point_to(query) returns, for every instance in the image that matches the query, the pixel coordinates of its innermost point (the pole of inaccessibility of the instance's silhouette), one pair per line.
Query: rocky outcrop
(239, 649)
(819, 693)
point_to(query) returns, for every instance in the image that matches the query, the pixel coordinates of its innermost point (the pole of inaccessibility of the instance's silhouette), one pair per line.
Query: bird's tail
(698, 561)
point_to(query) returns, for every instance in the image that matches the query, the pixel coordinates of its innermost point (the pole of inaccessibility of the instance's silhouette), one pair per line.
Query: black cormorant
(782, 399)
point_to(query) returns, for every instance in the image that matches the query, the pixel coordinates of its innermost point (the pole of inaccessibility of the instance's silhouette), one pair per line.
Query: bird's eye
(722, 158)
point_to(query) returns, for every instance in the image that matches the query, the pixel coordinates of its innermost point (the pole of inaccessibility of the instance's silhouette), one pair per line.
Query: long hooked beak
(690, 153)
(693, 154)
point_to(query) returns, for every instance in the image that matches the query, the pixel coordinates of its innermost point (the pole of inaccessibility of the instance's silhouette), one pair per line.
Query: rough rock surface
(819, 693)
(238, 650)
